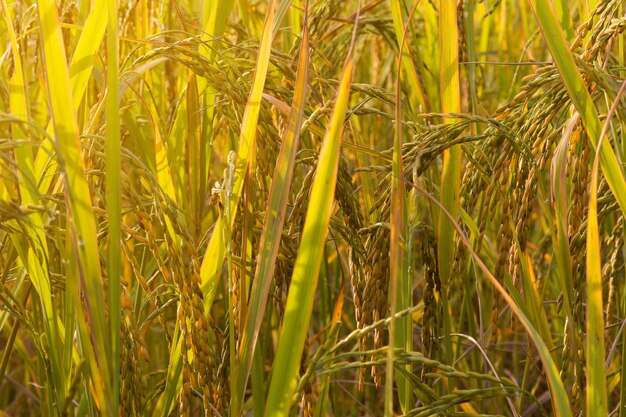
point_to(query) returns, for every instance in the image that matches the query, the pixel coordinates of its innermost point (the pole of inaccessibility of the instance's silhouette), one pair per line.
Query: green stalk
(114, 199)
(596, 398)
(401, 288)
(451, 169)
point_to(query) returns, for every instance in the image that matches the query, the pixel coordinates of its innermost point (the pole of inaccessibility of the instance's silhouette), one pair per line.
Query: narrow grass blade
(273, 226)
(401, 288)
(307, 266)
(400, 284)
(451, 168)
(560, 233)
(113, 155)
(596, 375)
(559, 197)
(594, 352)
(450, 103)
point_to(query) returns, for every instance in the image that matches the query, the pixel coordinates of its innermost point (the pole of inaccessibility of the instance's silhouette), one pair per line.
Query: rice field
(312, 208)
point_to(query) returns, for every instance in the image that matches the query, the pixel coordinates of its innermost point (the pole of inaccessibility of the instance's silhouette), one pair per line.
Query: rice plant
(312, 207)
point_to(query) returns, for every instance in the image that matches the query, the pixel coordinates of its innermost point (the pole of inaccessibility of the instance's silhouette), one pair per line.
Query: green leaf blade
(307, 266)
